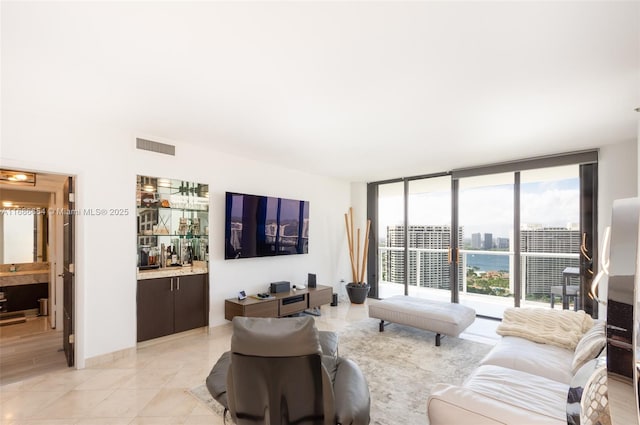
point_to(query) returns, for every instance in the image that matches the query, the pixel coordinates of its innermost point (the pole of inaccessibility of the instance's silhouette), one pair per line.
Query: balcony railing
(429, 268)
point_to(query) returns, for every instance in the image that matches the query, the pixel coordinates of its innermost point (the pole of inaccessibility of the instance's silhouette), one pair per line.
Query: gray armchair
(285, 372)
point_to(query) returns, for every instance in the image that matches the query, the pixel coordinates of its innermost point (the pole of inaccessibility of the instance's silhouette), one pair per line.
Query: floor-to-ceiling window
(503, 233)
(423, 262)
(549, 231)
(391, 239)
(429, 235)
(485, 224)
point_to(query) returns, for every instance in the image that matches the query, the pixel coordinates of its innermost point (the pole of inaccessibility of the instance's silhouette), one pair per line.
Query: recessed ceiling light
(17, 177)
(164, 182)
(7, 204)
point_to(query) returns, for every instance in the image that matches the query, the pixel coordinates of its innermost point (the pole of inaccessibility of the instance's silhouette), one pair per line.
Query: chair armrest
(352, 400)
(329, 343)
(217, 379)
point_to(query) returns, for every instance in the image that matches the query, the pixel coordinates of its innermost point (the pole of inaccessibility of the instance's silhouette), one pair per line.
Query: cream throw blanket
(563, 328)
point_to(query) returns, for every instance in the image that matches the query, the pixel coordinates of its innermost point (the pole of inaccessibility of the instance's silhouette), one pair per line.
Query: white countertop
(24, 277)
(170, 272)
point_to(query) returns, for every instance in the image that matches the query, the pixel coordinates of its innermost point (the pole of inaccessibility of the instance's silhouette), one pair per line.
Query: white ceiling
(361, 91)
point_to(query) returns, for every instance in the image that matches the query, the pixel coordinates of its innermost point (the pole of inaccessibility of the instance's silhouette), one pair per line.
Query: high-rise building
(540, 273)
(488, 241)
(502, 243)
(427, 269)
(476, 241)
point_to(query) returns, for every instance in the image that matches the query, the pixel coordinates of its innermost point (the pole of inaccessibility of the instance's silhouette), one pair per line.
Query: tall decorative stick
(366, 251)
(358, 268)
(358, 259)
(350, 242)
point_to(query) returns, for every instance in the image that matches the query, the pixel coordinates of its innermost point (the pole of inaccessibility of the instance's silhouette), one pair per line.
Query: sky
(489, 209)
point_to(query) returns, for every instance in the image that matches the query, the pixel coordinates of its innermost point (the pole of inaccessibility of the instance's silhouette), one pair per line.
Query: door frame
(56, 215)
(68, 264)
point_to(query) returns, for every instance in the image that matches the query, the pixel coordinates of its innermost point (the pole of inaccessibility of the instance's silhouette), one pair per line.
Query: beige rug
(402, 365)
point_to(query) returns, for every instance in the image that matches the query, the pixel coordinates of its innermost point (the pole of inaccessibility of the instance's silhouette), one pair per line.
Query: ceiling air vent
(149, 145)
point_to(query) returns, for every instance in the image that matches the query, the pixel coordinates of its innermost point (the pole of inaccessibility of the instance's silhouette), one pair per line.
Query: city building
(476, 241)
(502, 243)
(428, 251)
(487, 242)
(428, 266)
(540, 273)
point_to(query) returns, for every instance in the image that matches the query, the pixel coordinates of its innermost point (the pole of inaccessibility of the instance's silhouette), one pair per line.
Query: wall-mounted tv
(261, 226)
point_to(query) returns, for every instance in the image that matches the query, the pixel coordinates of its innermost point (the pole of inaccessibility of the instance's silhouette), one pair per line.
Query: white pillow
(589, 346)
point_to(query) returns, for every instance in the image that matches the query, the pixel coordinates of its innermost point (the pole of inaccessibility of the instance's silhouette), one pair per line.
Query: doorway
(35, 240)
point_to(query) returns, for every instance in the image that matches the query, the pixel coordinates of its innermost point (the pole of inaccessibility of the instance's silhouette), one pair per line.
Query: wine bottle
(174, 256)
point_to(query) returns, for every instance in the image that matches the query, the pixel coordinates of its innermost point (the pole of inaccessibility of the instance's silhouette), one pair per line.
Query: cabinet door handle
(178, 284)
(171, 284)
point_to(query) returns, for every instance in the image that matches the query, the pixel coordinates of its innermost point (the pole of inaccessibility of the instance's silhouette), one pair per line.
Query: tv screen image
(261, 226)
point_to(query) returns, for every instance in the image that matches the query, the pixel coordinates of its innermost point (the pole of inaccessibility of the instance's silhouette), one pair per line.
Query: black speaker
(334, 300)
(277, 287)
(311, 280)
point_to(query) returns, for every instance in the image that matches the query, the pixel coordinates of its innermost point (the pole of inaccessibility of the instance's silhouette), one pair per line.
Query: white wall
(617, 178)
(105, 161)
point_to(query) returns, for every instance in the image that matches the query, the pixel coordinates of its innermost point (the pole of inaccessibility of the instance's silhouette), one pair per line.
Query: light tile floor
(151, 387)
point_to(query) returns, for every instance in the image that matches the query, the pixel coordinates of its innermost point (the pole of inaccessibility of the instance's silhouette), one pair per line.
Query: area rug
(401, 364)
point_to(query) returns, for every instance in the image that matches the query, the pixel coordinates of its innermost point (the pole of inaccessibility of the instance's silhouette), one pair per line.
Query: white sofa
(519, 382)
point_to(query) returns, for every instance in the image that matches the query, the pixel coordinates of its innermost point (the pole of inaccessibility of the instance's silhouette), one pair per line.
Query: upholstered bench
(436, 316)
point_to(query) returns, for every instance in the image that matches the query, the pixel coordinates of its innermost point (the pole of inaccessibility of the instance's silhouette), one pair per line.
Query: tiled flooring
(150, 387)
(29, 349)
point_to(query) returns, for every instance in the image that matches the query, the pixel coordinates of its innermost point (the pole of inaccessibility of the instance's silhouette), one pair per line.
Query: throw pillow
(589, 346)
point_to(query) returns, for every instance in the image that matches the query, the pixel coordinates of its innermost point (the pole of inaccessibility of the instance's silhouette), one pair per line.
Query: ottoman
(440, 317)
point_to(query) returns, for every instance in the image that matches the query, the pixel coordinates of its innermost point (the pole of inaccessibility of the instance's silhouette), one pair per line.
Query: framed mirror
(24, 226)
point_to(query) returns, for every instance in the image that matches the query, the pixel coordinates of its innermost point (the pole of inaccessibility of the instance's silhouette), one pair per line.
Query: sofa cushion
(591, 344)
(548, 361)
(496, 395)
(534, 393)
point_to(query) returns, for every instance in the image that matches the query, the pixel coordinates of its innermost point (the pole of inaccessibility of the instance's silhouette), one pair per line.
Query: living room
(82, 81)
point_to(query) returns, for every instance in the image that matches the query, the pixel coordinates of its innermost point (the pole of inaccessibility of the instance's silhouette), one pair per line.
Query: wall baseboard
(109, 357)
(127, 352)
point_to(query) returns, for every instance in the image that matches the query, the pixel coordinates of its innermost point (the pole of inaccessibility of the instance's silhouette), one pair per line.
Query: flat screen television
(262, 226)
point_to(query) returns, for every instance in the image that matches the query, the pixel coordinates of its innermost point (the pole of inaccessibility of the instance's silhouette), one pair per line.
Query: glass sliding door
(429, 237)
(504, 233)
(549, 232)
(391, 239)
(485, 227)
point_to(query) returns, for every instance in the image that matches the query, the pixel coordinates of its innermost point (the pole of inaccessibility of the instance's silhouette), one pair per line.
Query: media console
(280, 305)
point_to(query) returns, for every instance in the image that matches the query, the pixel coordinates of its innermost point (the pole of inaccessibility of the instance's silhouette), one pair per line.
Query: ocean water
(486, 262)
